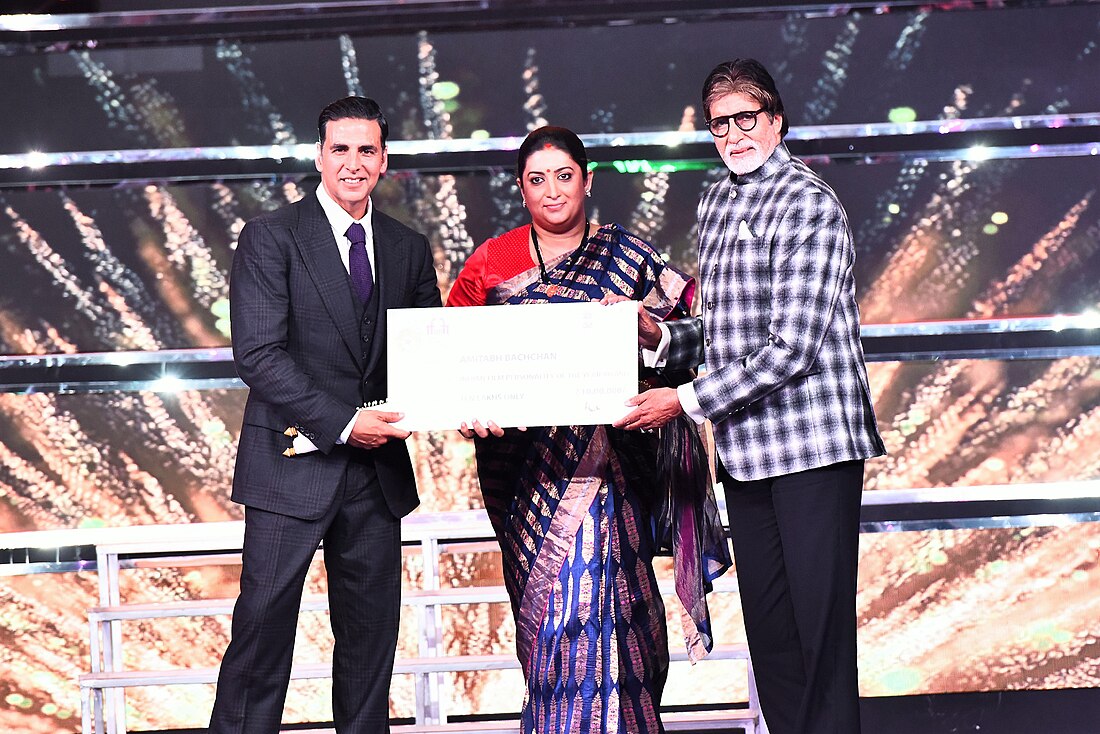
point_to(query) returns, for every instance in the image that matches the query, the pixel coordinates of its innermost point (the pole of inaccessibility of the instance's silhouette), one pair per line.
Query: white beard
(746, 162)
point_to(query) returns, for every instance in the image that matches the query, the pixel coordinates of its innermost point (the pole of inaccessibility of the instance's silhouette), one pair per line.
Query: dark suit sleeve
(427, 284)
(260, 310)
(685, 349)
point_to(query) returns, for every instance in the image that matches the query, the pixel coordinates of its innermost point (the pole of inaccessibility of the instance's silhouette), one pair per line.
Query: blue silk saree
(581, 511)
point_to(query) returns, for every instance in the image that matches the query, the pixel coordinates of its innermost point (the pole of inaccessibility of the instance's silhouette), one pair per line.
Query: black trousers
(796, 544)
(362, 551)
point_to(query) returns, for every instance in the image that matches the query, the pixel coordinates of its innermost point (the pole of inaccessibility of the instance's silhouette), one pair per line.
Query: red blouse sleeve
(469, 287)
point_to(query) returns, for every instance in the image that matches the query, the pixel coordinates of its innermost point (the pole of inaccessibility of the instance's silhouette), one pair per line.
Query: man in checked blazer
(309, 290)
(787, 391)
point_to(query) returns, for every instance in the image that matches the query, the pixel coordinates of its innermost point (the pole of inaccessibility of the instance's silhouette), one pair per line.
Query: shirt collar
(339, 219)
(779, 158)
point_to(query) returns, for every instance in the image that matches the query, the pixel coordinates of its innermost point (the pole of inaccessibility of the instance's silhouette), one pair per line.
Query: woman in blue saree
(580, 511)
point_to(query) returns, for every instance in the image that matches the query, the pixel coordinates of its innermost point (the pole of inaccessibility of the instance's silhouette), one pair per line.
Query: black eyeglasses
(745, 121)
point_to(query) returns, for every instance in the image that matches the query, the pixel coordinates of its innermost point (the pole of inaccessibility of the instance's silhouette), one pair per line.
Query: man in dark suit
(787, 392)
(309, 290)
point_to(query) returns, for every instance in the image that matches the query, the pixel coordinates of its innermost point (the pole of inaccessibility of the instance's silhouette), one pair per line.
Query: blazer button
(710, 306)
(707, 342)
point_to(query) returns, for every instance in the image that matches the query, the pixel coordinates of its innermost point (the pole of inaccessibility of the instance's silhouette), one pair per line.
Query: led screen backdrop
(849, 69)
(143, 266)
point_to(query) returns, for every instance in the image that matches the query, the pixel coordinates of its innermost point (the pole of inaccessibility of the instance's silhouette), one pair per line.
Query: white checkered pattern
(786, 385)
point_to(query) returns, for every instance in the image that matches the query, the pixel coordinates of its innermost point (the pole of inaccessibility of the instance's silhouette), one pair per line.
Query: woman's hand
(649, 334)
(477, 428)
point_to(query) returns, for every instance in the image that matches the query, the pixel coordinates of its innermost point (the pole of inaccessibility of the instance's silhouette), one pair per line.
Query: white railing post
(429, 685)
(112, 710)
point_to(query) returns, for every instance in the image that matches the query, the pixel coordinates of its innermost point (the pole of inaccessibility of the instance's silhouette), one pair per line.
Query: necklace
(554, 289)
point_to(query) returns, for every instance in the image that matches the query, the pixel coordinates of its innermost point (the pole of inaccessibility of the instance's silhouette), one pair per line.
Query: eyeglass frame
(726, 118)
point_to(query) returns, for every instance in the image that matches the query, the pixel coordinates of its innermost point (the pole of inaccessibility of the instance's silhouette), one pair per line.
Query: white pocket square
(300, 445)
(303, 445)
(743, 231)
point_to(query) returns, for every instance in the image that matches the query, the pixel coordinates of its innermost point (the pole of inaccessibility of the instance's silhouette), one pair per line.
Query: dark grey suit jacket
(297, 344)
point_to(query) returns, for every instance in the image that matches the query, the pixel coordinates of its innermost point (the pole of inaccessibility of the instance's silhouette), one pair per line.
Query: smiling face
(351, 160)
(554, 188)
(744, 152)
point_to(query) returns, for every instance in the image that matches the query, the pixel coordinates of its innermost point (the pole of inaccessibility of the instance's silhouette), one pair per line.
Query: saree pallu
(573, 508)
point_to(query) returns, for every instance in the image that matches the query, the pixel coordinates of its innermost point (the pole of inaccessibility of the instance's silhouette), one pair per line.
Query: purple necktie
(359, 263)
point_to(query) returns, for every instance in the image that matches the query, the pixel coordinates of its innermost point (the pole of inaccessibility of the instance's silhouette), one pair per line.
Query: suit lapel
(391, 273)
(322, 260)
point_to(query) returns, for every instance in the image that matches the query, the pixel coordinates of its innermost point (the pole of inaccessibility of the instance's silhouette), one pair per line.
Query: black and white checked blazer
(786, 386)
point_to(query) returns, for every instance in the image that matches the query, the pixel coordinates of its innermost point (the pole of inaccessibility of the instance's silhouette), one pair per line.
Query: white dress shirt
(340, 220)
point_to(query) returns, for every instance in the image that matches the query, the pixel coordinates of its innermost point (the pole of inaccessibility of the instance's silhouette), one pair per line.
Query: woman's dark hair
(744, 76)
(352, 108)
(549, 136)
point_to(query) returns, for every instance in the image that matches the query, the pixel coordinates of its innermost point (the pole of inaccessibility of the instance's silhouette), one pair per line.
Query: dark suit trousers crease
(796, 545)
(362, 552)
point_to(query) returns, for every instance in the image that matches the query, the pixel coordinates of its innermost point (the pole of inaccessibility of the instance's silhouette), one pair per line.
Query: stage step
(319, 602)
(94, 684)
(408, 666)
(310, 603)
(674, 721)
(693, 722)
